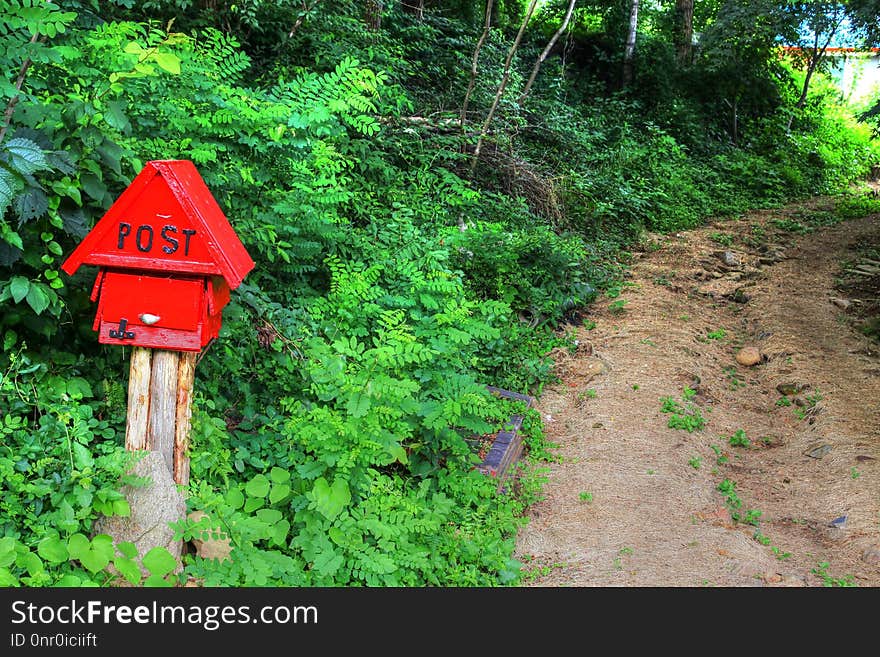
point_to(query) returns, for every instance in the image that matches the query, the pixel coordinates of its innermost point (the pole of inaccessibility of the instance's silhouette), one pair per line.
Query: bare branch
(307, 9)
(546, 52)
(474, 61)
(501, 87)
(10, 107)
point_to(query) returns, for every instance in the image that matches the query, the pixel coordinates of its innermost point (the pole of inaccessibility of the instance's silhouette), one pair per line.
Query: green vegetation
(739, 439)
(821, 571)
(734, 504)
(684, 415)
(733, 380)
(585, 496)
(409, 252)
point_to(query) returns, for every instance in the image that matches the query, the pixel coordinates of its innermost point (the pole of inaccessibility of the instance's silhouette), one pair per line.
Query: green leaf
(159, 561)
(7, 193)
(254, 503)
(279, 475)
(330, 500)
(269, 516)
(38, 298)
(7, 551)
(279, 532)
(78, 545)
(69, 581)
(115, 117)
(31, 204)
(127, 549)
(19, 287)
(278, 493)
(337, 536)
(53, 549)
(133, 48)
(103, 545)
(258, 486)
(168, 62)
(26, 156)
(328, 562)
(9, 339)
(79, 388)
(129, 569)
(30, 562)
(234, 498)
(157, 581)
(121, 508)
(358, 404)
(11, 237)
(93, 186)
(7, 578)
(93, 561)
(66, 521)
(82, 457)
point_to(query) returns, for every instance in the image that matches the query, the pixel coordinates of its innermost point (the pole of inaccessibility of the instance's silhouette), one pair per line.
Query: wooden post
(159, 406)
(163, 399)
(138, 399)
(186, 373)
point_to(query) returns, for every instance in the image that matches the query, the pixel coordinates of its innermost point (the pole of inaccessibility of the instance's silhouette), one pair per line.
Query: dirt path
(636, 503)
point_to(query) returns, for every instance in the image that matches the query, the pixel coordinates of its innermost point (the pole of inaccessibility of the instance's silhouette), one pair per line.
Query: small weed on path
(739, 439)
(684, 415)
(821, 571)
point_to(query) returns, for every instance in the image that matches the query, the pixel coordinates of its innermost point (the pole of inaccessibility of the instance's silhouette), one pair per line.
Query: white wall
(857, 74)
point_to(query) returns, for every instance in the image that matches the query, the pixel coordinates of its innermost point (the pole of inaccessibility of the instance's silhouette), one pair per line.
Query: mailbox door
(161, 312)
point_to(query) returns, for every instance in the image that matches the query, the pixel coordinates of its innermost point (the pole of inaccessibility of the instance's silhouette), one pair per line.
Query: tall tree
(546, 51)
(487, 24)
(415, 7)
(822, 22)
(683, 33)
(373, 14)
(740, 61)
(505, 77)
(629, 50)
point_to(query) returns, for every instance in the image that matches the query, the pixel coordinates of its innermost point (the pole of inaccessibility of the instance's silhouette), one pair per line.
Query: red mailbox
(168, 259)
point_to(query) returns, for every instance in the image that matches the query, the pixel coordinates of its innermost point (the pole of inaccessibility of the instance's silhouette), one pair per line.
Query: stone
(210, 548)
(790, 388)
(738, 296)
(872, 554)
(817, 451)
(843, 304)
(748, 356)
(730, 259)
(598, 425)
(153, 507)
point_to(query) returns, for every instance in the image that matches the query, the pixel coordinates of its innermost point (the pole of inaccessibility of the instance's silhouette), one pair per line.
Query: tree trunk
(373, 14)
(307, 9)
(630, 49)
(546, 51)
(467, 96)
(815, 57)
(684, 30)
(501, 87)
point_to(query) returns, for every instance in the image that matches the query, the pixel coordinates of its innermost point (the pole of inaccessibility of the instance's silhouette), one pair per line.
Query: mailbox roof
(222, 252)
